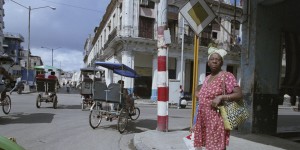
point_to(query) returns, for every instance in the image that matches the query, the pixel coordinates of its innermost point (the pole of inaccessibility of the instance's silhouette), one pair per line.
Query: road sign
(198, 14)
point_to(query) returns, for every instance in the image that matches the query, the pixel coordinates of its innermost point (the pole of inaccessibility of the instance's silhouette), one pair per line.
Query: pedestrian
(126, 97)
(18, 84)
(181, 94)
(209, 128)
(180, 90)
(68, 86)
(52, 76)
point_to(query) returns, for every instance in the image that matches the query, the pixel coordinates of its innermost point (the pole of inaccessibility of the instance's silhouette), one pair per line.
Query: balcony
(14, 36)
(111, 36)
(190, 40)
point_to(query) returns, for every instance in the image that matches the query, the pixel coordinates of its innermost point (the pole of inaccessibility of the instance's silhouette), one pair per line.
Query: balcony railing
(190, 40)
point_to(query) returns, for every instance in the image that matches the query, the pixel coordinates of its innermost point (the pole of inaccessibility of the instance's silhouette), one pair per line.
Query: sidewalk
(153, 139)
(156, 140)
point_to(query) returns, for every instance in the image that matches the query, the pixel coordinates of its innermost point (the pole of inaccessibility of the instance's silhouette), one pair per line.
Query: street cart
(107, 100)
(46, 89)
(86, 84)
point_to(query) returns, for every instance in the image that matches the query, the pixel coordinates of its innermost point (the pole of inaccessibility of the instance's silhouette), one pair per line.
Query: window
(146, 27)
(214, 35)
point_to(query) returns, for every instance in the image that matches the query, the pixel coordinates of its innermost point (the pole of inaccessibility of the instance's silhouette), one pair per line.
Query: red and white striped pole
(162, 86)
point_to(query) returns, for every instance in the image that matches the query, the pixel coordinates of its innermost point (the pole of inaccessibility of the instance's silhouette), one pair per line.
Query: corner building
(128, 34)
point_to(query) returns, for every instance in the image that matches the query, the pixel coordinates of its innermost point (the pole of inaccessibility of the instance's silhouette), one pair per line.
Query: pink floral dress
(209, 130)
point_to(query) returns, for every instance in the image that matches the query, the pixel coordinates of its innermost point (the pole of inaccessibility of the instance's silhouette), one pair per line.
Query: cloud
(62, 58)
(67, 27)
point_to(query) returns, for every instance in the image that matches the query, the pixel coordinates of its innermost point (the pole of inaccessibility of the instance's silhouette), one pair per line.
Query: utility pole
(162, 58)
(29, 14)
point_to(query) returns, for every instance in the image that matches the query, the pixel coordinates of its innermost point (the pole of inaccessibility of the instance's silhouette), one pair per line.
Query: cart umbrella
(119, 69)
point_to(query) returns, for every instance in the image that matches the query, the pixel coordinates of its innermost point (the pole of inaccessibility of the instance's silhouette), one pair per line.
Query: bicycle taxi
(107, 100)
(6, 101)
(46, 88)
(86, 85)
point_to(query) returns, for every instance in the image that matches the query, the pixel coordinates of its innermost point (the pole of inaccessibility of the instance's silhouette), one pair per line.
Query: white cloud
(68, 60)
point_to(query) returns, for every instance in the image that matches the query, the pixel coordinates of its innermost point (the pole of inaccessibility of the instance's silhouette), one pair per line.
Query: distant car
(6, 144)
(185, 99)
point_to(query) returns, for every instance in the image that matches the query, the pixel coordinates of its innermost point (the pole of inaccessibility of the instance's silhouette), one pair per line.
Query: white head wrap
(221, 52)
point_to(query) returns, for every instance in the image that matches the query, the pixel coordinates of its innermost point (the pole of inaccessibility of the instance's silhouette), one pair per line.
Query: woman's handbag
(233, 113)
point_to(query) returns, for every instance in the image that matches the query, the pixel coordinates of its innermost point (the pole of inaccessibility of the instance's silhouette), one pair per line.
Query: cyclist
(3, 73)
(129, 102)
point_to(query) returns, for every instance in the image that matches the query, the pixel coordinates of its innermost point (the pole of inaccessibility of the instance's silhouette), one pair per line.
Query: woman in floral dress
(209, 129)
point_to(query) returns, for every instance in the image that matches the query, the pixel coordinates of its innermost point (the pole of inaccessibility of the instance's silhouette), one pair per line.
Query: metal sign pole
(195, 76)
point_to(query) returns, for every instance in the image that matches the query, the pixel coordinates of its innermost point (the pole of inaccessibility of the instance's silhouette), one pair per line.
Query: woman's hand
(192, 129)
(216, 101)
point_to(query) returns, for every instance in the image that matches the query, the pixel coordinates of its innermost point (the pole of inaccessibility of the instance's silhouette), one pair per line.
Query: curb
(153, 139)
(138, 143)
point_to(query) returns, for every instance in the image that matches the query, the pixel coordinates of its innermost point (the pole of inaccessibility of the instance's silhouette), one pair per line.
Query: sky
(65, 29)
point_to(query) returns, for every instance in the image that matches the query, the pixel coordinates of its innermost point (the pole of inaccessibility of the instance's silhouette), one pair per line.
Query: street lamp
(52, 51)
(29, 13)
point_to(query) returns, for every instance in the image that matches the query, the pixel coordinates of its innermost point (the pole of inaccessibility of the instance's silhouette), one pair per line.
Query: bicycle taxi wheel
(38, 101)
(54, 100)
(122, 120)
(6, 104)
(135, 114)
(95, 117)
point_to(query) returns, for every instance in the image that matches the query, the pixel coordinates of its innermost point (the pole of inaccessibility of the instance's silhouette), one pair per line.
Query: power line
(88, 9)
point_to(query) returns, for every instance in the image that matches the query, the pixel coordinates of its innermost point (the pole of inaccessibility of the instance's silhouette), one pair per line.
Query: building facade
(269, 61)
(12, 47)
(128, 34)
(2, 2)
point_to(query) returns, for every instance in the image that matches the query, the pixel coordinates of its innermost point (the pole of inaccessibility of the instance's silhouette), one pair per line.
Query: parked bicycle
(135, 113)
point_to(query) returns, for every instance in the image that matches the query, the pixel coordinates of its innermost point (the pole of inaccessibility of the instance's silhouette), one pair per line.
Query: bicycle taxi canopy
(111, 93)
(119, 69)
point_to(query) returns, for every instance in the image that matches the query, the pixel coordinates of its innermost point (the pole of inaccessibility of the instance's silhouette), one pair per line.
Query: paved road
(67, 127)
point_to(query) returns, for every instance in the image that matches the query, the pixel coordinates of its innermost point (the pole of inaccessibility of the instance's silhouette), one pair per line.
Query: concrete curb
(138, 143)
